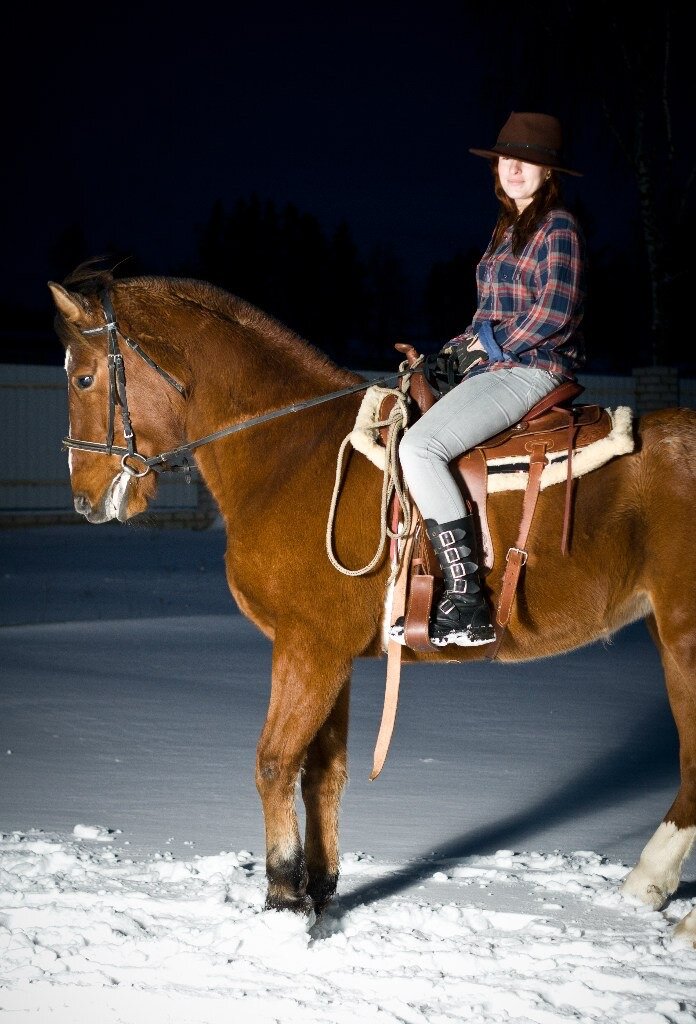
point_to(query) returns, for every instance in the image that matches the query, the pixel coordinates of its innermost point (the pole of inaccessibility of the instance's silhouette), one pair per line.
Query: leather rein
(132, 461)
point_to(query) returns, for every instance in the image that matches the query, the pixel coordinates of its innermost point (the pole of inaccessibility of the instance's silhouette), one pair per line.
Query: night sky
(131, 123)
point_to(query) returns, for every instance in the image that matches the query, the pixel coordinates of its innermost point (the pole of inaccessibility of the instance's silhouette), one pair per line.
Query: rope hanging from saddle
(392, 483)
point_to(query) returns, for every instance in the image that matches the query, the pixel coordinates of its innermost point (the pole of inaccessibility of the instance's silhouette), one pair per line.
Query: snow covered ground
(480, 871)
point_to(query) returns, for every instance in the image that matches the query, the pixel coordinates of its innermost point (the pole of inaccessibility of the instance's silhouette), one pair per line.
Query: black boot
(461, 616)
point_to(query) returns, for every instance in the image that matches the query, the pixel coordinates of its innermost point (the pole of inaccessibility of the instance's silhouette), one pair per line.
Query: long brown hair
(547, 197)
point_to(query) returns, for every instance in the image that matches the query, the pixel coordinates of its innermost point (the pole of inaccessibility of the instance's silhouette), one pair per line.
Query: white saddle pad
(509, 473)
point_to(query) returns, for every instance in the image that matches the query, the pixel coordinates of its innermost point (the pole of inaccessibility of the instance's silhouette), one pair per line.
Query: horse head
(114, 429)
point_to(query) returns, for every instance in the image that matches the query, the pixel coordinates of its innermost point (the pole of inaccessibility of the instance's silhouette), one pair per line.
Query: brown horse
(198, 360)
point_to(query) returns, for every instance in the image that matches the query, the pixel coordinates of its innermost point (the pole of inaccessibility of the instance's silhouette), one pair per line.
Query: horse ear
(67, 303)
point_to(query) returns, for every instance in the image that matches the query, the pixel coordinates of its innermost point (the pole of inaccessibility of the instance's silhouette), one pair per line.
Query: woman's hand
(448, 367)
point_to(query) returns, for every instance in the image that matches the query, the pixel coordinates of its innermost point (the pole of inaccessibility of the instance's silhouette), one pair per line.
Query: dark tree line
(353, 307)
(642, 78)
(633, 75)
(590, 64)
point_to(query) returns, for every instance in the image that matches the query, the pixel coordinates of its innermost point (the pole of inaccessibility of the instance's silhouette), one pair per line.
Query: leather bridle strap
(114, 331)
(118, 394)
(165, 462)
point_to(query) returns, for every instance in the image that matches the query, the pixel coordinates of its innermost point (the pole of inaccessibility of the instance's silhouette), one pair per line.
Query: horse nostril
(82, 504)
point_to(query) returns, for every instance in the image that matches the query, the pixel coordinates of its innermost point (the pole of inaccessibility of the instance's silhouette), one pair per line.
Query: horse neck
(238, 374)
(236, 377)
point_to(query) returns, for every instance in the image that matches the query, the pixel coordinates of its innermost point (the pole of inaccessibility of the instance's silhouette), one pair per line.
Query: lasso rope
(391, 482)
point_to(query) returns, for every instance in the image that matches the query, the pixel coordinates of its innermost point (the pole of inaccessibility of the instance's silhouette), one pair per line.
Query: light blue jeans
(466, 416)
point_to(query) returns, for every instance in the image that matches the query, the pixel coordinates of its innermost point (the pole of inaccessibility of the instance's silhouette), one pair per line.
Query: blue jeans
(466, 416)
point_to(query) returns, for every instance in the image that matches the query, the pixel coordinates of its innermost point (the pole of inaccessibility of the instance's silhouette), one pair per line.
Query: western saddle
(553, 425)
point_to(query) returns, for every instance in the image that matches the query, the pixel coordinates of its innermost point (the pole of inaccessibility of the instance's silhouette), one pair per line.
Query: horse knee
(273, 774)
(267, 770)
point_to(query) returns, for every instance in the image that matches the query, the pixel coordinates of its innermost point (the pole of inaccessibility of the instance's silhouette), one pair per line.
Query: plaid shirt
(530, 307)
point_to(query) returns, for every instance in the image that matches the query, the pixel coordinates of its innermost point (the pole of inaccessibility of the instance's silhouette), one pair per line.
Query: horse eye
(85, 382)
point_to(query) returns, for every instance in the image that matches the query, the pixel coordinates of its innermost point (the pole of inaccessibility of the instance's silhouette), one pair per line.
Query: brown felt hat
(533, 138)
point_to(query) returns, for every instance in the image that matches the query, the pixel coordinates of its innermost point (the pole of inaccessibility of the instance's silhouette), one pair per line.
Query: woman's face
(520, 180)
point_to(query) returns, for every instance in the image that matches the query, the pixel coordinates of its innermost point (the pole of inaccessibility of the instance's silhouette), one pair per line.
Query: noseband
(176, 460)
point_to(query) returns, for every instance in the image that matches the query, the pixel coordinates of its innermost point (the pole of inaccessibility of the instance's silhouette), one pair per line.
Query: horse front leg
(323, 779)
(305, 685)
(656, 875)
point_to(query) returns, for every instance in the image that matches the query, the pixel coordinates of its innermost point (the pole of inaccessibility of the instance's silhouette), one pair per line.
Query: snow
(480, 872)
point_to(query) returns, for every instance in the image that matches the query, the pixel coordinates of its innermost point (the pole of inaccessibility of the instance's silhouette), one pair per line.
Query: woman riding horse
(525, 339)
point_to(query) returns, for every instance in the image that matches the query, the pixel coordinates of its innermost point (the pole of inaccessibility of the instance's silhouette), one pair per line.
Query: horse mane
(94, 275)
(90, 277)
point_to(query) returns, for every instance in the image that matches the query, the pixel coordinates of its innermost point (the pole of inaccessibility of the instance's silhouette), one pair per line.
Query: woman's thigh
(478, 408)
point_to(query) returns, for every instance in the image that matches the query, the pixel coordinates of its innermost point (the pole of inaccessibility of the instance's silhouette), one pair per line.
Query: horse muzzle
(113, 505)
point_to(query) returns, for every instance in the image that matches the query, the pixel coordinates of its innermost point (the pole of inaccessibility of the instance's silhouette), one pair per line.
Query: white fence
(34, 478)
(34, 482)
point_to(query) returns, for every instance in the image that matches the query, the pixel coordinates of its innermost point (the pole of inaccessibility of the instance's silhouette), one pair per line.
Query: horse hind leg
(304, 689)
(656, 875)
(323, 779)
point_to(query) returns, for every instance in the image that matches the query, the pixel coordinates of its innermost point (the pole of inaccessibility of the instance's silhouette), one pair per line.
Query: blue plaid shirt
(530, 307)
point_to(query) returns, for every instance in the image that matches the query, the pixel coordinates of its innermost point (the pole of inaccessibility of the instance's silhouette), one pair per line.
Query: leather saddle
(555, 427)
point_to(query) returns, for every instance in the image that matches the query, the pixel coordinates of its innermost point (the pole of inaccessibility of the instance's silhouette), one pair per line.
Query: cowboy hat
(533, 138)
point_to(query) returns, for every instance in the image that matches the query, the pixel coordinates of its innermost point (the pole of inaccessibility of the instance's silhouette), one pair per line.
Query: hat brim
(524, 156)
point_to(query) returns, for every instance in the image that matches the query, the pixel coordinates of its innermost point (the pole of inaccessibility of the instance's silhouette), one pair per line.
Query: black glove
(445, 369)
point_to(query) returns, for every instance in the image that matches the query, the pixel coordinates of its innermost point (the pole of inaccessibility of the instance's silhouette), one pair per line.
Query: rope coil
(396, 423)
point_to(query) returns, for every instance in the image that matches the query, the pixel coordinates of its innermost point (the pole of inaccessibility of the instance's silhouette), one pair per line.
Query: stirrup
(472, 636)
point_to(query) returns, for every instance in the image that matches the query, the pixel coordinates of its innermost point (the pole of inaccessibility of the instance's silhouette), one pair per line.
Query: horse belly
(565, 601)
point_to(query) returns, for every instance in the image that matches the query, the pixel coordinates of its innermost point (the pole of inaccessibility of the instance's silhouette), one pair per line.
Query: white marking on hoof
(656, 875)
(685, 932)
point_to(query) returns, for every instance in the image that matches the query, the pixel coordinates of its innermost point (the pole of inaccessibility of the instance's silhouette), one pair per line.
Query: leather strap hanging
(394, 651)
(517, 555)
(568, 508)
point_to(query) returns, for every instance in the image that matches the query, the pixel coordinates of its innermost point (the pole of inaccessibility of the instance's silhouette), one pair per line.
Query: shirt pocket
(506, 274)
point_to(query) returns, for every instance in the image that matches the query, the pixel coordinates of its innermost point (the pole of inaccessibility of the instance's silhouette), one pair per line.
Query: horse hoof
(300, 905)
(639, 886)
(321, 889)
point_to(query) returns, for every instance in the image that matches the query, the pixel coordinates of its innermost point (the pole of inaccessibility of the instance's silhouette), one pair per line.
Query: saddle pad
(365, 435)
(508, 473)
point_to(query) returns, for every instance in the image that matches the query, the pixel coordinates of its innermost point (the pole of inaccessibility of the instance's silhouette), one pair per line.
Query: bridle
(133, 462)
(118, 395)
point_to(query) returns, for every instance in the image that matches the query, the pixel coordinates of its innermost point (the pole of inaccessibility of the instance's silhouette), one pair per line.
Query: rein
(166, 462)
